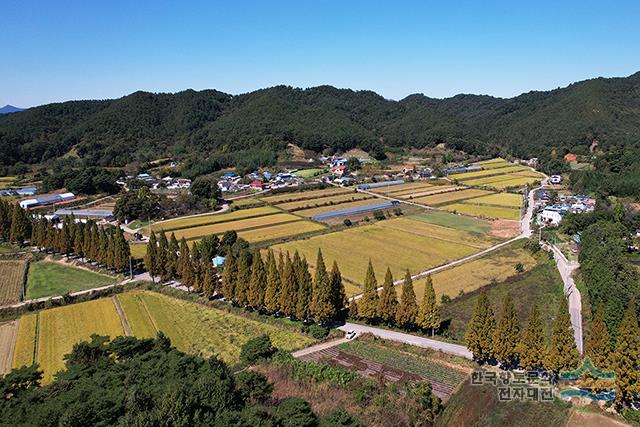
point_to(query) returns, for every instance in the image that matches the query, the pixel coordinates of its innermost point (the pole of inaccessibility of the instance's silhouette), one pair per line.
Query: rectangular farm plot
(201, 330)
(280, 231)
(468, 277)
(179, 223)
(311, 212)
(241, 224)
(434, 189)
(409, 186)
(324, 201)
(304, 195)
(459, 222)
(391, 243)
(451, 196)
(25, 347)
(52, 278)
(490, 162)
(60, 328)
(137, 315)
(485, 211)
(515, 182)
(477, 174)
(509, 200)
(11, 275)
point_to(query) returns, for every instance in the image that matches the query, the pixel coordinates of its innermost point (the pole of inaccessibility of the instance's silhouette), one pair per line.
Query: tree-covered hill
(142, 126)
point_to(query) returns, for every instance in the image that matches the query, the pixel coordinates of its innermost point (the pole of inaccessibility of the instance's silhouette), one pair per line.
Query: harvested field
(428, 192)
(529, 173)
(323, 201)
(483, 163)
(304, 195)
(7, 343)
(179, 223)
(500, 199)
(311, 212)
(60, 328)
(25, 347)
(401, 244)
(280, 231)
(238, 225)
(11, 275)
(487, 181)
(201, 330)
(485, 211)
(495, 165)
(409, 186)
(451, 196)
(477, 174)
(459, 222)
(496, 266)
(516, 182)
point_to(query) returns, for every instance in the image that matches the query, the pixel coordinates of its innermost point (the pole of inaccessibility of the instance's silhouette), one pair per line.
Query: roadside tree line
(500, 340)
(279, 284)
(385, 307)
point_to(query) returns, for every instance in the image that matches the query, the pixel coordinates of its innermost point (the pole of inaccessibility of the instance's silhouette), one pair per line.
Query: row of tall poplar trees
(284, 285)
(501, 340)
(384, 307)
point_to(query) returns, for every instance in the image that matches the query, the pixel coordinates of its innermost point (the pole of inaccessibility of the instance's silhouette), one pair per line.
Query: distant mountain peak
(10, 109)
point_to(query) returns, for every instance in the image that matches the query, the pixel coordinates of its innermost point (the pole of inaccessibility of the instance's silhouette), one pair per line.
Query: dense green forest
(143, 126)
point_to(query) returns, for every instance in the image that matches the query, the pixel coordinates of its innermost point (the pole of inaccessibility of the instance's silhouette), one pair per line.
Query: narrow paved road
(566, 269)
(318, 347)
(455, 349)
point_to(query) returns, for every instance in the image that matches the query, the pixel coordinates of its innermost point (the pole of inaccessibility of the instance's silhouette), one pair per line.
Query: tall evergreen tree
(20, 229)
(272, 290)
(408, 308)
(229, 276)
(626, 359)
(531, 348)
(305, 289)
(258, 282)
(598, 344)
(368, 303)
(172, 256)
(78, 247)
(183, 259)
(209, 285)
(151, 257)
(507, 334)
(289, 290)
(429, 312)
(480, 330)
(388, 301)
(338, 292)
(121, 250)
(163, 258)
(243, 279)
(562, 353)
(322, 308)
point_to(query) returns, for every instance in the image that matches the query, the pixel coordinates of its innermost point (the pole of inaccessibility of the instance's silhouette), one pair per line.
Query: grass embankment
(51, 278)
(475, 405)
(542, 284)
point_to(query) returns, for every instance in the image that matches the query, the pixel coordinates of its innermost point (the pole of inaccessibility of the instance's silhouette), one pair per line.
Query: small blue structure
(217, 261)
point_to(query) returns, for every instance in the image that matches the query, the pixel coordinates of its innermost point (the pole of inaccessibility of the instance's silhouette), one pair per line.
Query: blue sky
(61, 50)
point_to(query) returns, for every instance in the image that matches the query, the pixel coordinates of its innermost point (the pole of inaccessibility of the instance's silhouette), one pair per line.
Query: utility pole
(130, 267)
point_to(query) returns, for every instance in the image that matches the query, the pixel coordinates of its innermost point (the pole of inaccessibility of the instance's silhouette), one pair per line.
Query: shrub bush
(256, 349)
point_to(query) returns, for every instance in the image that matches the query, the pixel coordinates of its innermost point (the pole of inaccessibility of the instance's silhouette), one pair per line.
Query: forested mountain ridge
(144, 126)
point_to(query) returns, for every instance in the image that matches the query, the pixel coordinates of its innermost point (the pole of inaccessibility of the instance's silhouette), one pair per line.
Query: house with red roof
(571, 158)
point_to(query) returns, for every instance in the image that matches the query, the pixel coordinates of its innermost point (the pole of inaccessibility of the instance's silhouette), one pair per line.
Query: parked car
(351, 334)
